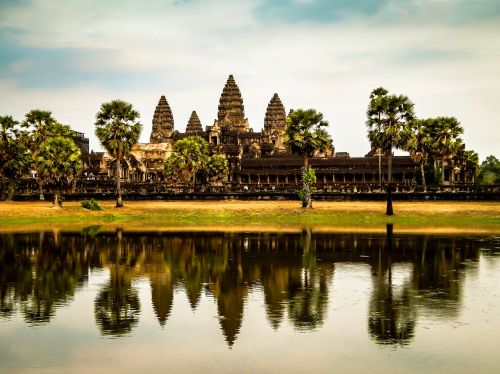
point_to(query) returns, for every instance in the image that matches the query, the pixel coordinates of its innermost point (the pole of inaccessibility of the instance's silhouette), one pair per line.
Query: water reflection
(411, 276)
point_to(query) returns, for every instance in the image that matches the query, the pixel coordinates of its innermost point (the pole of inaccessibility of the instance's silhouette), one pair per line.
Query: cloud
(377, 11)
(71, 56)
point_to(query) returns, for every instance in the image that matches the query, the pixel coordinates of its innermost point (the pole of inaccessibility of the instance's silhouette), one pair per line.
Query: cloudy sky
(71, 56)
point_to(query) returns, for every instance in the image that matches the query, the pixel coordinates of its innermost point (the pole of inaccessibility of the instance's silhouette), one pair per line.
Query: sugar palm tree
(471, 163)
(387, 128)
(418, 144)
(58, 163)
(305, 135)
(374, 122)
(444, 133)
(118, 130)
(39, 123)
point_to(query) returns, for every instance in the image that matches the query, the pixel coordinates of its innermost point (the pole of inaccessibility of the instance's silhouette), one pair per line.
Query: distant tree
(41, 125)
(374, 122)
(417, 144)
(13, 153)
(59, 164)
(444, 139)
(217, 169)
(468, 161)
(118, 129)
(388, 119)
(189, 155)
(489, 171)
(305, 135)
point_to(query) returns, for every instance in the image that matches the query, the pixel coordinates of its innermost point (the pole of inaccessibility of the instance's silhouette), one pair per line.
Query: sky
(69, 57)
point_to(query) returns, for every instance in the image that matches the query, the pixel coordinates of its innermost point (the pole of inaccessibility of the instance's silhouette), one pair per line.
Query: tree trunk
(40, 189)
(434, 171)
(380, 167)
(4, 188)
(119, 201)
(422, 171)
(307, 203)
(442, 170)
(389, 211)
(389, 168)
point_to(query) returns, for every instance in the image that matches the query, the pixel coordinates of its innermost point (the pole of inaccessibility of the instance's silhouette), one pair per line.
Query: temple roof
(194, 124)
(163, 122)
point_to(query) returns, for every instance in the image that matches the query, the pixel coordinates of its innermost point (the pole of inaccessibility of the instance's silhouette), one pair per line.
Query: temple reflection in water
(42, 272)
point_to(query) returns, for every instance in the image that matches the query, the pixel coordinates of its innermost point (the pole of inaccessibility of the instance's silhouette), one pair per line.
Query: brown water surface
(179, 301)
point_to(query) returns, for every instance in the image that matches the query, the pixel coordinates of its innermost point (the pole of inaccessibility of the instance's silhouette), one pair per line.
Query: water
(97, 301)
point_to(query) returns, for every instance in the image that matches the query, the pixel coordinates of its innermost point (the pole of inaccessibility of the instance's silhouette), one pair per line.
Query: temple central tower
(231, 114)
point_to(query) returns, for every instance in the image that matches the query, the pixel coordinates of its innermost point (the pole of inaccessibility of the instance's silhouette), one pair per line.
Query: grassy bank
(258, 215)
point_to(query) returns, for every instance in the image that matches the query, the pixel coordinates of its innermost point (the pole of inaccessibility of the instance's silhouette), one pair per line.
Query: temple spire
(275, 118)
(163, 122)
(194, 124)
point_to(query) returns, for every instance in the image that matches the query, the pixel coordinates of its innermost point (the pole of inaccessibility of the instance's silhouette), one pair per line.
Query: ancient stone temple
(256, 158)
(194, 124)
(163, 122)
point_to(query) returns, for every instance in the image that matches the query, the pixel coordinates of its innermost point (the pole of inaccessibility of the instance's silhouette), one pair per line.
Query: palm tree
(471, 164)
(374, 114)
(305, 135)
(444, 133)
(118, 130)
(58, 163)
(386, 127)
(418, 145)
(39, 124)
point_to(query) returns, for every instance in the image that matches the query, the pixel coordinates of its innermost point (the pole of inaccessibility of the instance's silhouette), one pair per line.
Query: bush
(91, 205)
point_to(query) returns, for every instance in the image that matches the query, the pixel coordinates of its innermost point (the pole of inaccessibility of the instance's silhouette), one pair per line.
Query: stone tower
(275, 123)
(275, 119)
(194, 124)
(231, 110)
(163, 123)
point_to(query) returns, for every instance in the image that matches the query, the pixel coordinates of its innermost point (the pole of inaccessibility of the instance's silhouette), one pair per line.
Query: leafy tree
(14, 158)
(118, 130)
(305, 135)
(42, 125)
(444, 139)
(489, 171)
(58, 163)
(189, 155)
(217, 169)
(388, 119)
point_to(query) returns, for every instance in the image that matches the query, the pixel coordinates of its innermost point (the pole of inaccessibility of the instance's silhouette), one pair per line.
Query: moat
(248, 302)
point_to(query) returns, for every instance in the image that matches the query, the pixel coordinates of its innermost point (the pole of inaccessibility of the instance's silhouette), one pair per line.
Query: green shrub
(91, 204)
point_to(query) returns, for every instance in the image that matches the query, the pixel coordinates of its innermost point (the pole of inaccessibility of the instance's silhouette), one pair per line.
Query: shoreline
(435, 217)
